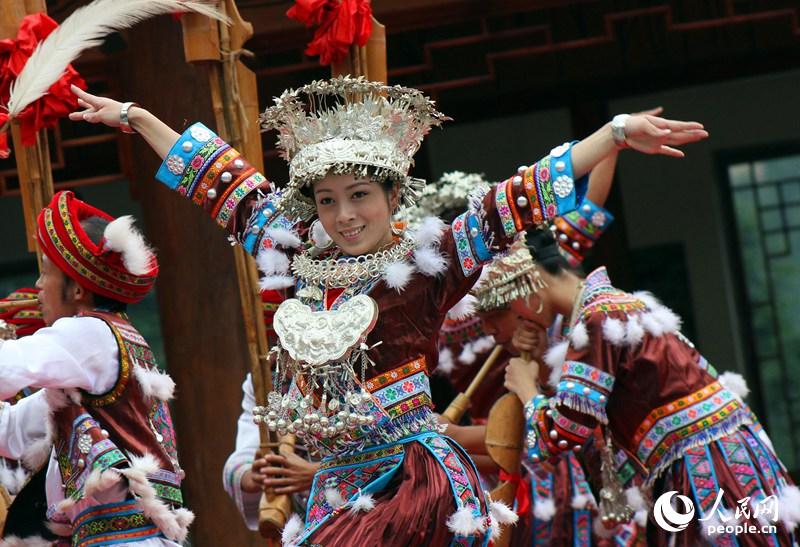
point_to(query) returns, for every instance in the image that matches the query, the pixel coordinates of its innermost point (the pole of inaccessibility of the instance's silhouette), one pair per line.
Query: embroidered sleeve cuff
(471, 242)
(246, 502)
(578, 230)
(585, 389)
(181, 163)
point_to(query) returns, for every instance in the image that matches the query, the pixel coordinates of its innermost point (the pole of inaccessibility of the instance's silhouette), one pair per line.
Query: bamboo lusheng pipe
(14, 304)
(505, 432)
(459, 406)
(217, 48)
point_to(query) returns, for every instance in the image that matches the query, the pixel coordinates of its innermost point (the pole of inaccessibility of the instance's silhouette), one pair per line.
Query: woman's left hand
(654, 135)
(521, 378)
(288, 473)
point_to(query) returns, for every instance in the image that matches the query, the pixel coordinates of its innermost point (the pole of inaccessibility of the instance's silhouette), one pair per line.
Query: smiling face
(356, 212)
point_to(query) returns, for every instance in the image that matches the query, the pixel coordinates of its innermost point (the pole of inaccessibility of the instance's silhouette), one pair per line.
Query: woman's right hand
(529, 337)
(96, 109)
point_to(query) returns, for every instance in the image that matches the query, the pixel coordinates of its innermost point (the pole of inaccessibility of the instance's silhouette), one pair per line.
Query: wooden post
(234, 97)
(33, 162)
(368, 61)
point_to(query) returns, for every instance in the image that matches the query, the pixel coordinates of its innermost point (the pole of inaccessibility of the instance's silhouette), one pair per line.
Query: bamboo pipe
(456, 410)
(14, 304)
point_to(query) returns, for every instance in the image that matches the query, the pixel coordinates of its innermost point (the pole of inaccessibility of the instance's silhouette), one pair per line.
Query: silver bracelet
(618, 129)
(124, 122)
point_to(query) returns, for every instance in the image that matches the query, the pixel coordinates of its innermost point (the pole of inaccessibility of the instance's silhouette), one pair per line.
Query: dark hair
(545, 251)
(95, 228)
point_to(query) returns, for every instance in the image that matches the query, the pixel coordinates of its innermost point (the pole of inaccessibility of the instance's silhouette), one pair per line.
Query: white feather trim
(35, 541)
(334, 498)
(184, 517)
(640, 517)
(581, 501)
(579, 336)
(363, 504)
(502, 513)
(649, 300)
(614, 331)
(173, 524)
(554, 358)
(397, 275)
(154, 383)
(463, 309)
(122, 237)
(87, 27)
(275, 282)
(100, 480)
(482, 344)
(669, 320)
(430, 261)
(651, 324)
(633, 331)
(291, 530)
(446, 364)
(635, 499)
(464, 523)
(272, 261)
(544, 509)
(319, 236)
(284, 237)
(501, 516)
(429, 232)
(467, 355)
(789, 504)
(601, 531)
(735, 383)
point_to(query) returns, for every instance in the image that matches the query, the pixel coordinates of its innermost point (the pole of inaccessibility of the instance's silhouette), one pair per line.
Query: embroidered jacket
(626, 364)
(126, 433)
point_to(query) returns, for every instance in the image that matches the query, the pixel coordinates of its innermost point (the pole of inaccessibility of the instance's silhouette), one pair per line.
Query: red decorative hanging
(59, 100)
(340, 24)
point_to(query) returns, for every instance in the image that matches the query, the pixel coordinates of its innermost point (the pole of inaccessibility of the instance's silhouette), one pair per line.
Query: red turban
(121, 266)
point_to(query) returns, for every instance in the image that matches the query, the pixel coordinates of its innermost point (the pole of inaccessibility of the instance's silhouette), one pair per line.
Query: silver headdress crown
(508, 278)
(451, 192)
(349, 125)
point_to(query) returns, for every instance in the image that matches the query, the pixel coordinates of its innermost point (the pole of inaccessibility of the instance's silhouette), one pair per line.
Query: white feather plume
(87, 27)
(122, 237)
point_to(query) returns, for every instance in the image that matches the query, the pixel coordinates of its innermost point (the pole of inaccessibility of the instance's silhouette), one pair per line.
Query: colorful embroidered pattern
(469, 265)
(191, 174)
(113, 523)
(237, 195)
(113, 395)
(685, 417)
(402, 389)
(459, 480)
(534, 196)
(207, 176)
(705, 486)
(584, 388)
(599, 296)
(348, 480)
(565, 425)
(478, 244)
(547, 197)
(541, 490)
(79, 268)
(84, 450)
(504, 208)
